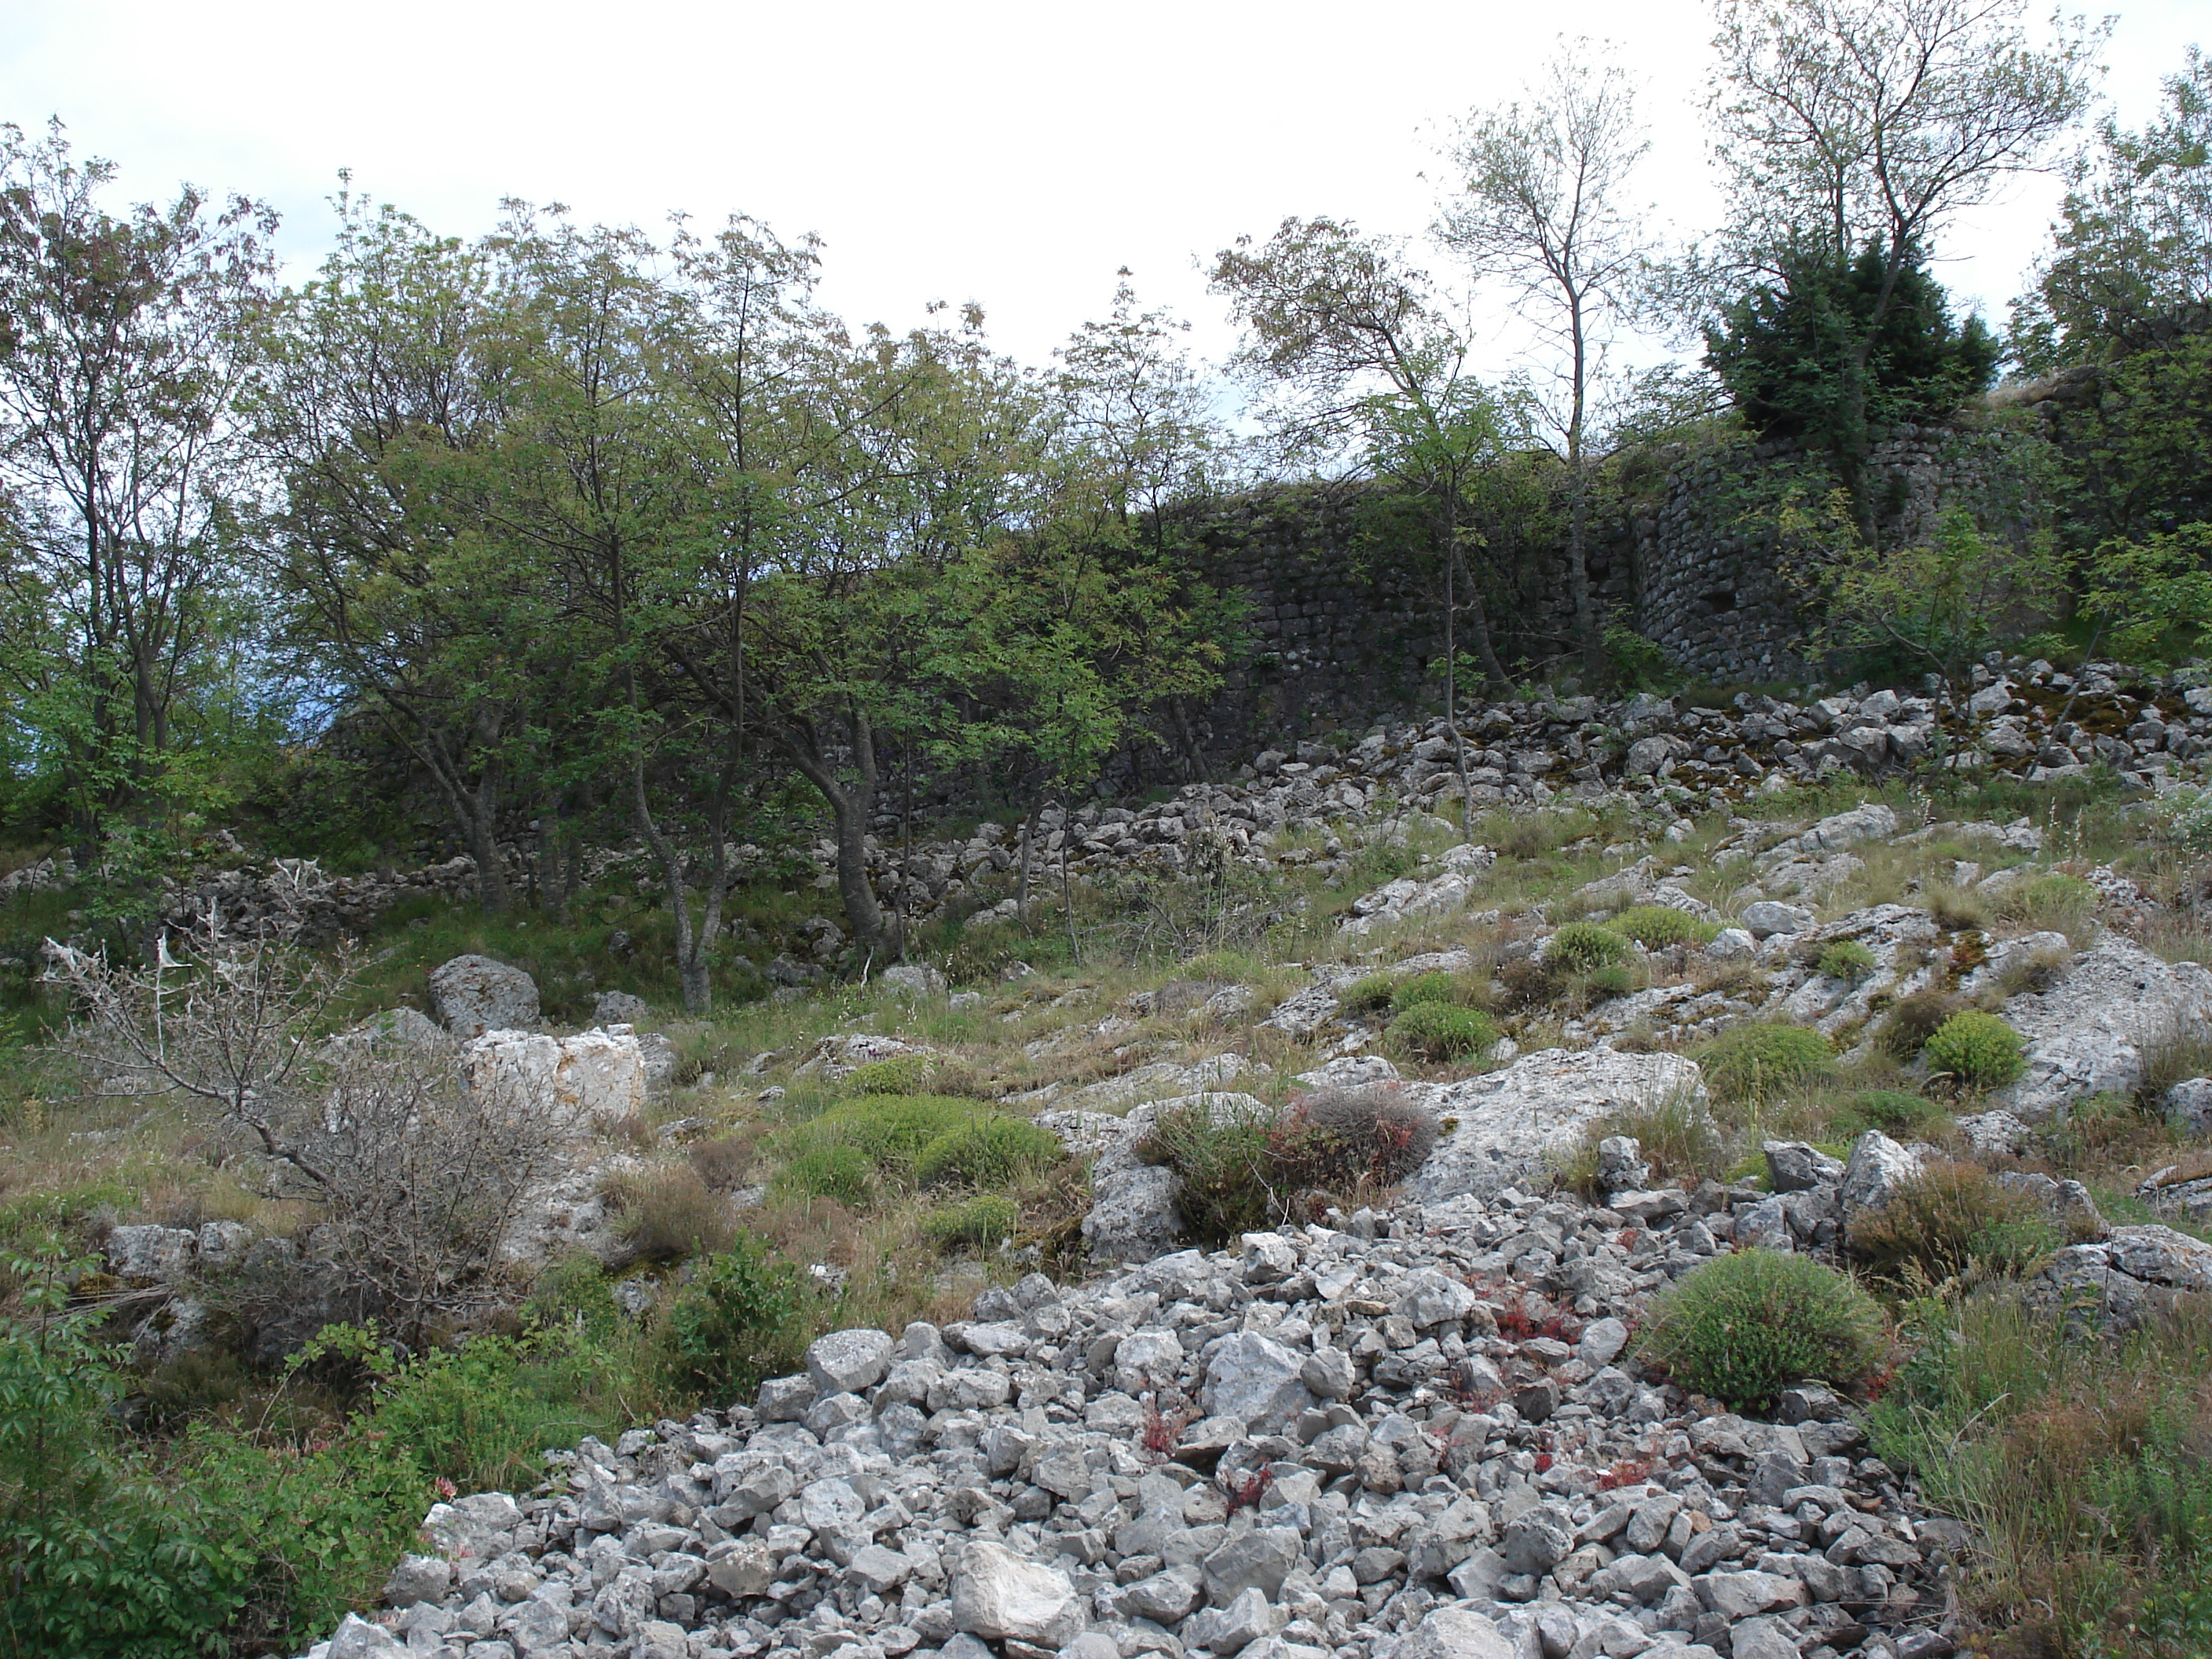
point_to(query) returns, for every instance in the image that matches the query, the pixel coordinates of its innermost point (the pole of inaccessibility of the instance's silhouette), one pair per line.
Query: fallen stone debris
(1422, 1433)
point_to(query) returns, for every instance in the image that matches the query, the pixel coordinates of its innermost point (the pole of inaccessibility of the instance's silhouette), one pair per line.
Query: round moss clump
(1978, 1050)
(988, 1152)
(1745, 1326)
(1846, 959)
(1438, 1031)
(1756, 1063)
(1654, 927)
(1582, 946)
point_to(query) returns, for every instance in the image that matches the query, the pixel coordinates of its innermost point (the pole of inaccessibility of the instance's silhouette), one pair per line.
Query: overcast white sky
(1010, 154)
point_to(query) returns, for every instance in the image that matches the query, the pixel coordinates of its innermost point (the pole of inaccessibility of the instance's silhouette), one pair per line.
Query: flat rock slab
(2094, 1031)
(1506, 1126)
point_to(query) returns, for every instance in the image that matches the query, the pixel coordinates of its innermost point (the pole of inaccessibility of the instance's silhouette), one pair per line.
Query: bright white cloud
(1013, 154)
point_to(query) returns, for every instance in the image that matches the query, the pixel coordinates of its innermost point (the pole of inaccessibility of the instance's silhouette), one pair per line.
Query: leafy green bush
(1744, 1327)
(1580, 946)
(844, 1173)
(741, 1318)
(1753, 1064)
(1435, 986)
(1654, 927)
(1846, 959)
(1980, 1050)
(901, 1074)
(988, 1152)
(1439, 1032)
(1223, 1156)
(982, 1220)
(1950, 1220)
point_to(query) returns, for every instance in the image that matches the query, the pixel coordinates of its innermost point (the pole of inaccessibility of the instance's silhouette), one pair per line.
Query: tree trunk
(852, 807)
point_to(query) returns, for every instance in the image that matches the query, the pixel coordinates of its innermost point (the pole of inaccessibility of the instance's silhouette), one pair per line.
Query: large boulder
(848, 1362)
(998, 1595)
(2118, 1280)
(474, 994)
(1255, 1380)
(1878, 1167)
(2095, 1030)
(1506, 1128)
(594, 1078)
(1449, 1632)
(1134, 1216)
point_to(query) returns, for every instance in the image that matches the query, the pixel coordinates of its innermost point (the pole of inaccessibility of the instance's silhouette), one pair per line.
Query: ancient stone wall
(1712, 585)
(1343, 618)
(1344, 622)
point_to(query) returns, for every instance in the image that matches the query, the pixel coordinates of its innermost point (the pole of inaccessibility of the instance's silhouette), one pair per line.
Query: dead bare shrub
(412, 1178)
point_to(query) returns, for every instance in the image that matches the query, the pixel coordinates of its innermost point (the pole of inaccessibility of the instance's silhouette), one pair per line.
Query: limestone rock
(2094, 1031)
(1878, 1167)
(2189, 1106)
(594, 1078)
(619, 1008)
(150, 1253)
(915, 979)
(1501, 1130)
(1768, 917)
(473, 994)
(1257, 1380)
(998, 1595)
(848, 1362)
(1796, 1166)
(1133, 1217)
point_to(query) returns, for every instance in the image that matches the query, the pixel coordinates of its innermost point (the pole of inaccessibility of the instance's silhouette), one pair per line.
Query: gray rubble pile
(1422, 1433)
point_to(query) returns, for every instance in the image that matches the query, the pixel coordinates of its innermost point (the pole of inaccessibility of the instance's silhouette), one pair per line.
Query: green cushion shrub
(1654, 927)
(1439, 1031)
(1756, 1063)
(988, 1152)
(1433, 987)
(892, 1129)
(1846, 959)
(844, 1173)
(901, 1074)
(1744, 1327)
(983, 1219)
(1580, 946)
(1980, 1050)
